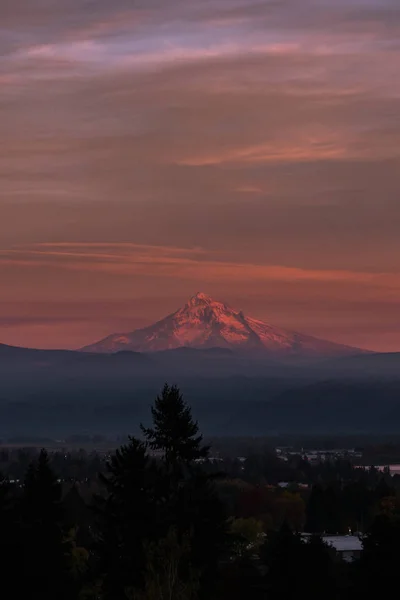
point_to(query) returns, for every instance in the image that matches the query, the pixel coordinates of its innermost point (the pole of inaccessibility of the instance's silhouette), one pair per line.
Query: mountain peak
(207, 323)
(200, 298)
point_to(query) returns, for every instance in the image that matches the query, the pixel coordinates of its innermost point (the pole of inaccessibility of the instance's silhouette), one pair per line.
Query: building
(348, 547)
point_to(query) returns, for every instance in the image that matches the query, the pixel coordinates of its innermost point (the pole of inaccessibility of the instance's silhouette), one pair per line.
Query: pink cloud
(130, 259)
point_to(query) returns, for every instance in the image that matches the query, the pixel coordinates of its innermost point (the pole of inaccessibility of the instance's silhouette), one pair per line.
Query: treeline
(78, 465)
(157, 530)
(267, 468)
(257, 468)
(334, 508)
(166, 524)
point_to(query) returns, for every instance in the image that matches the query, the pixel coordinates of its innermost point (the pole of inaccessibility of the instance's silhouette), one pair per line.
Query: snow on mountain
(207, 323)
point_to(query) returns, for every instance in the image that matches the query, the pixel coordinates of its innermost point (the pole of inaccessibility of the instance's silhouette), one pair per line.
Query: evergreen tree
(283, 557)
(10, 557)
(146, 498)
(383, 490)
(5, 502)
(199, 512)
(377, 568)
(77, 516)
(174, 433)
(315, 511)
(130, 514)
(323, 511)
(356, 503)
(41, 501)
(333, 510)
(44, 551)
(319, 568)
(296, 567)
(193, 506)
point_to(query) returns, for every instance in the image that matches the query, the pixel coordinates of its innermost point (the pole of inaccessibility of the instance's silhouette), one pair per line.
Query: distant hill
(59, 392)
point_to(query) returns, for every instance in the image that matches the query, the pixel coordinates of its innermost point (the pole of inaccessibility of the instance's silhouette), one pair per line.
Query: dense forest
(161, 518)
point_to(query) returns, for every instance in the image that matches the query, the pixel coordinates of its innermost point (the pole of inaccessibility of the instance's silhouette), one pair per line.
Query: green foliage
(248, 535)
(79, 557)
(168, 572)
(91, 591)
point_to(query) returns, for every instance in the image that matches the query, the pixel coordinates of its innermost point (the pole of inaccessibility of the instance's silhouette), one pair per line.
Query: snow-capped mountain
(207, 323)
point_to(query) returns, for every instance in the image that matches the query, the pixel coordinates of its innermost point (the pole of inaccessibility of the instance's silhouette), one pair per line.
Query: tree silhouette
(282, 556)
(147, 497)
(295, 566)
(315, 511)
(318, 565)
(129, 515)
(174, 433)
(44, 550)
(377, 568)
(199, 512)
(194, 507)
(10, 557)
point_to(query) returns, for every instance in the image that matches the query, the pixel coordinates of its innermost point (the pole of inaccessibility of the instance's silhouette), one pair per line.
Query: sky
(150, 149)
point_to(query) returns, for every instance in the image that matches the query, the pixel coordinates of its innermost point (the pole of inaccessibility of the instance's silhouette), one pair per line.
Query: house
(347, 547)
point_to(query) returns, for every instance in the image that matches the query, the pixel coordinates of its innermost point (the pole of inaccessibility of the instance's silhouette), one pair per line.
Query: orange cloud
(130, 259)
(118, 246)
(323, 146)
